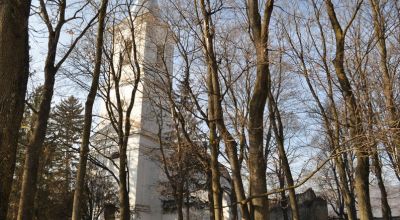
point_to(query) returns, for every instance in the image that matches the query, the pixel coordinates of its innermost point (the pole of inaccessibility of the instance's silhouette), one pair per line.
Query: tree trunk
(36, 139)
(29, 187)
(214, 91)
(386, 212)
(84, 150)
(14, 71)
(257, 165)
(392, 118)
(377, 166)
(210, 194)
(124, 208)
(30, 175)
(215, 173)
(283, 202)
(233, 209)
(276, 124)
(356, 129)
(333, 134)
(179, 201)
(349, 201)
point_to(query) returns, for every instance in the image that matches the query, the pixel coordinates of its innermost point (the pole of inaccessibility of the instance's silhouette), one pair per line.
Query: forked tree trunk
(333, 132)
(84, 150)
(214, 91)
(377, 166)
(14, 71)
(257, 165)
(356, 129)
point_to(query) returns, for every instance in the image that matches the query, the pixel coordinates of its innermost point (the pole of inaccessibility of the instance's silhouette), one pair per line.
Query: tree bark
(124, 208)
(84, 150)
(356, 129)
(14, 72)
(210, 195)
(257, 165)
(215, 179)
(28, 191)
(214, 164)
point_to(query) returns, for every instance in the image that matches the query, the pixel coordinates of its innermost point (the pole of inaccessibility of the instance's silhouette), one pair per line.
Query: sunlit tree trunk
(257, 167)
(387, 78)
(213, 86)
(84, 150)
(356, 128)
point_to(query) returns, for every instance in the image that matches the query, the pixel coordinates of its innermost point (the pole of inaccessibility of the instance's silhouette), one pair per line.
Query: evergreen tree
(65, 129)
(59, 160)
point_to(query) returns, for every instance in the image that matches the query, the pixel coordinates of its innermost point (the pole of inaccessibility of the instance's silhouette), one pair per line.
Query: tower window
(127, 52)
(160, 56)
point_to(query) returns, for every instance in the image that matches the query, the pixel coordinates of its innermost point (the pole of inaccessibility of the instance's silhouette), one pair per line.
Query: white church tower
(154, 55)
(144, 31)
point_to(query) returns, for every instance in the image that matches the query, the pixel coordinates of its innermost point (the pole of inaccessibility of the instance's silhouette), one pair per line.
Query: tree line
(264, 96)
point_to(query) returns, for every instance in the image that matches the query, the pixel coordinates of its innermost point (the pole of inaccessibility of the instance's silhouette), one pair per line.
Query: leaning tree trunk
(14, 71)
(356, 129)
(30, 175)
(84, 151)
(276, 123)
(387, 79)
(333, 133)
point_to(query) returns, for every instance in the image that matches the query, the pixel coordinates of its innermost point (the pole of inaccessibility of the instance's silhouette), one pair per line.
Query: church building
(144, 32)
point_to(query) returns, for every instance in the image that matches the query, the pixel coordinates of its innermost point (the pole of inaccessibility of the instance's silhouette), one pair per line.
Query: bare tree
(356, 128)
(51, 67)
(329, 114)
(215, 108)
(84, 151)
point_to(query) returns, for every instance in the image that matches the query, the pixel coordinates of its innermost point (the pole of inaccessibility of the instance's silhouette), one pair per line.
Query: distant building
(393, 193)
(311, 207)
